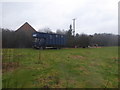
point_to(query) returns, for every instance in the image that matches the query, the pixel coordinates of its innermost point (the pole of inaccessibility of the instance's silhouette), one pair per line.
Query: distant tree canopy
(45, 30)
(58, 31)
(84, 40)
(105, 39)
(11, 39)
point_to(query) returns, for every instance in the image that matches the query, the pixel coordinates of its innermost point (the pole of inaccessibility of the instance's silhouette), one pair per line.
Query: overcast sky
(92, 16)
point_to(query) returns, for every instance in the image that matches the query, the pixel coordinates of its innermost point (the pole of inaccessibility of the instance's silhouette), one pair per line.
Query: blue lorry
(44, 40)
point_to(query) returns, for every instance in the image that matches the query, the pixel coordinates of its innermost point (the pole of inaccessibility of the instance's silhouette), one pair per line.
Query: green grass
(65, 68)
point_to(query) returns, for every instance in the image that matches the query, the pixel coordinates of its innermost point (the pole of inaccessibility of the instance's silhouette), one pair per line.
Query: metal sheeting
(52, 39)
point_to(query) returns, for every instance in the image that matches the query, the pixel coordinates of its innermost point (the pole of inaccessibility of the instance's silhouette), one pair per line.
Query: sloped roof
(26, 27)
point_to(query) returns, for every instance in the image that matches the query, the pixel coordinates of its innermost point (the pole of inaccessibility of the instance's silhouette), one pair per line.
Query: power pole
(74, 26)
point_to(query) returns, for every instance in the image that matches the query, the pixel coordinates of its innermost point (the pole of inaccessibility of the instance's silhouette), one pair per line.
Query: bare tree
(58, 31)
(46, 30)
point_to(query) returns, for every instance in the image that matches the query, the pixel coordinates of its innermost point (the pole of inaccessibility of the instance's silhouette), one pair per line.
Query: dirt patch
(76, 57)
(48, 81)
(115, 59)
(83, 69)
(9, 66)
(94, 64)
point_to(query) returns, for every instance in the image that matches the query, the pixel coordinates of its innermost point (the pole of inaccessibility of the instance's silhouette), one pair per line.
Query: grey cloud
(92, 15)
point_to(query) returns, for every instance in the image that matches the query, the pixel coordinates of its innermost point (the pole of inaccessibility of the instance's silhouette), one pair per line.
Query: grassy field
(64, 68)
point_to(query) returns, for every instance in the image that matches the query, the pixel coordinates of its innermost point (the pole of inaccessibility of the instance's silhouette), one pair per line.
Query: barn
(24, 35)
(26, 28)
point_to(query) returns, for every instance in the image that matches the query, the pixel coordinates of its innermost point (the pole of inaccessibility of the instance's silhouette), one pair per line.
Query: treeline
(84, 40)
(12, 39)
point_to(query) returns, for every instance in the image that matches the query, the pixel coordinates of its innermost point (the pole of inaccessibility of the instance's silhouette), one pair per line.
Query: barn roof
(26, 27)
